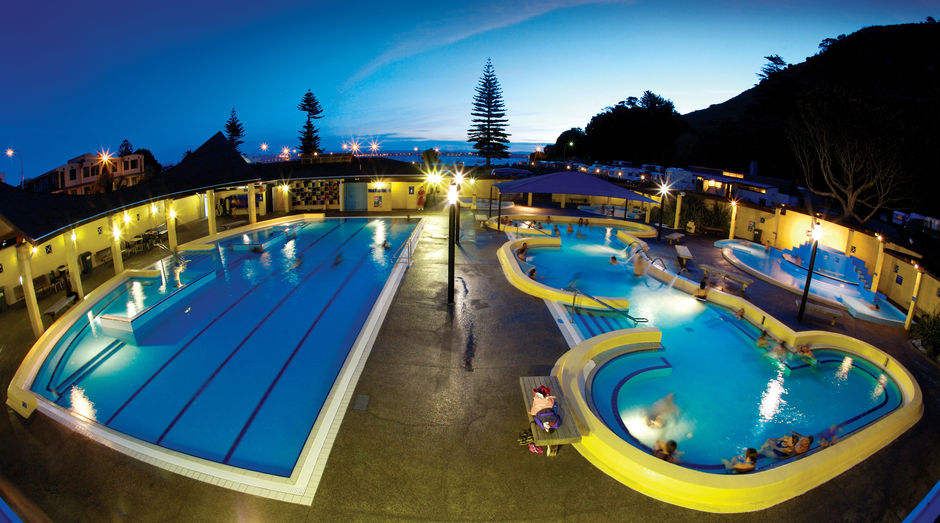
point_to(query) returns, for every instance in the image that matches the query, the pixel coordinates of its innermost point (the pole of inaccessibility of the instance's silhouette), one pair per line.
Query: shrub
(928, 330)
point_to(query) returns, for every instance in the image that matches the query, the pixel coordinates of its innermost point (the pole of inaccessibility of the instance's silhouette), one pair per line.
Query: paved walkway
(437, 441)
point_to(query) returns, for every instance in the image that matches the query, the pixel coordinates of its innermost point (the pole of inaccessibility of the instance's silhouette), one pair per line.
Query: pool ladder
(403, 254)
(575, 291)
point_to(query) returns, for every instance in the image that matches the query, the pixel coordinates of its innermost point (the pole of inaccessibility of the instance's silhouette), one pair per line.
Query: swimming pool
(228, 352)
(843, 286)
(730, 395)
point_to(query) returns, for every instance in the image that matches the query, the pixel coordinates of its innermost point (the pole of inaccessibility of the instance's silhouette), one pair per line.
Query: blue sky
(80, 76)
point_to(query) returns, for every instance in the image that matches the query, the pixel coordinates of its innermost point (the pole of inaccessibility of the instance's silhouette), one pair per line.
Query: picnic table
(56, 308)
(674, 237)
(684, 256)
(567, 431)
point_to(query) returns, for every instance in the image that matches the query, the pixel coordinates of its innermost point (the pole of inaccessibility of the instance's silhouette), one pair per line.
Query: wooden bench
(717, 231)
(822, 310)
(744, 282)
(567, 431)
(684, 256)
(232, 225)
(104, 255)
(56, 308)
(674, 237)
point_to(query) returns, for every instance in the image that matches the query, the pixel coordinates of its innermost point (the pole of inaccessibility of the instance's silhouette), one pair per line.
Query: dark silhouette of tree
(309, 137)
(430, 157)
(641, 130)
(568, 145)
(487, 131)
(309, 141)
(774, 65)
(125, 148)
(151, 166)
(234, 131)
(848, 149)
(186, 155)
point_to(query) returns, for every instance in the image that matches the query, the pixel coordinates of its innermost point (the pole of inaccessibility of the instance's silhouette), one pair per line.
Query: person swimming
(743, 463)
(779, 448)
(666, 450)
(663, 410)
(521, 253)
(613, 260)
(570, 229)
(764, 340)
(555, 231)
(532, 273)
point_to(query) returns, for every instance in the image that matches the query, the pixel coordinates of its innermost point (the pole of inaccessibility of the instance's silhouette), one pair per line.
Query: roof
(568, 182)
(38, 216)
(730, 179)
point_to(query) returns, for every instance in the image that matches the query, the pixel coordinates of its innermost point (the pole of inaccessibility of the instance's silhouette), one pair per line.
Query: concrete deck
(443, 384)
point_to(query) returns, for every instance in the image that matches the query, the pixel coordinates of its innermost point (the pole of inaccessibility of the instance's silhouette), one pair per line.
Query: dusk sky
(81, 76)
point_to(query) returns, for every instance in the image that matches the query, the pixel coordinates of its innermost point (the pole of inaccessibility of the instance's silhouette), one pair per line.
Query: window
(72, 174)
(85, 173)
(94, 170)
(125, 164)
(133, 164)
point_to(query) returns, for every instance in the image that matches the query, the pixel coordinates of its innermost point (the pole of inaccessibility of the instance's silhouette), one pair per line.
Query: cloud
(463, 23)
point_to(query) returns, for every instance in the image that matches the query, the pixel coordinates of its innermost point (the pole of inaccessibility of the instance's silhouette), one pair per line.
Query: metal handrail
(401, 252)
(574, 305)
(660, 260)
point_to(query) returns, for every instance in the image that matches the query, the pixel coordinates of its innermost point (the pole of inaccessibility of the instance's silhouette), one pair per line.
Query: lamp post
(458, 179)
(567, 145)
(817, 234)
(663, 192)
(452, 229)
(10, 153)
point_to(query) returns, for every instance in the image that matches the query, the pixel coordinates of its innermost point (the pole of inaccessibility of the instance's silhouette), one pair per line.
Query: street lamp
(452, 200)
(817, 234)
(663, 193)
(567, 145)
(10, 153)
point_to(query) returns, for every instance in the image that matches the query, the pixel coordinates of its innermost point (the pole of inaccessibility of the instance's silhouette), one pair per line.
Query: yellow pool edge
(636, 230)
(717, 492)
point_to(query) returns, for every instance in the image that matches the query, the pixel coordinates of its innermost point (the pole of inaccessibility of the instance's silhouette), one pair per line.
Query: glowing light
(619, 173)
(817, 232)
(127, 217)
(153, 208)
(437, 149)
(772, 397)
(74, 237)
(285, 187)
(104, 157)
(663, 189)
(116, 231)
(264, 146)
(34, 250)
(285, 151)
(172, 214)
(734, 203)
(374, 146)
(81, 405)
(538, 148)
(416, 149)
(10, 153)
(458, 178)
(844, 368)
(379, 185)
(471, 181)
(452, 194)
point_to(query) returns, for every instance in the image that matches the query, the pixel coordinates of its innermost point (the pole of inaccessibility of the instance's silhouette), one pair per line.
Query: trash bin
(757, 235)
(85, 261)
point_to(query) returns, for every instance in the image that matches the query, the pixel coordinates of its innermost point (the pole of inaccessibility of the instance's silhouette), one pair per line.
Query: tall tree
(487, 131)
(309, 141)
(639, 130)
(309, 137)
(774, 65)
(235, 131)
(430, 157)
(151, 166)
(848, 147)
(125, 148)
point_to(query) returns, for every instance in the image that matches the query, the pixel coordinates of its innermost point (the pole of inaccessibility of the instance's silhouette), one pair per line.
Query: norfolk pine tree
(309, 139)
(235, 131)
(487, 131)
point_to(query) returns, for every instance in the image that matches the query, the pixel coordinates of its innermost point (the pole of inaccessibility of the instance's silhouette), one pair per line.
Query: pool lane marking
(585, 324)
(241, 344)
(71, 345)
(264, 397)
(88, 366)
(204, 329)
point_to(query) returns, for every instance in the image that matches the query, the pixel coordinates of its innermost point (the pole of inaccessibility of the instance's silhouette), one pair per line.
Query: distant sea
(452, 158)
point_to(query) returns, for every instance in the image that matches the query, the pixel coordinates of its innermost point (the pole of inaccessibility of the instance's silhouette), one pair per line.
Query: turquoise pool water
(841, 286)
(729, 394)
(243, 345)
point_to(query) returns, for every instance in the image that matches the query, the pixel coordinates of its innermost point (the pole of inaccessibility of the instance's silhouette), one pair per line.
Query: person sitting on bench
(702, 292)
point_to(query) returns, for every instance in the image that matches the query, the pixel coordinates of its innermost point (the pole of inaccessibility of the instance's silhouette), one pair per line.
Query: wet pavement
(437, 439)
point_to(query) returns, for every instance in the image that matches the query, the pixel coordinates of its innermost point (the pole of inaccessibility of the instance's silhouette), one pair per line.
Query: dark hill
(893, 69)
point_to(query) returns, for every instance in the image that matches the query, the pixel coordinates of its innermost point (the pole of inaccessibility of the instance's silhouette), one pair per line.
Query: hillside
(890, 70)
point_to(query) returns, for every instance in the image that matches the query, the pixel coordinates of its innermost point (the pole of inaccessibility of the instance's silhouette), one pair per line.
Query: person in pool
(743, 463)
(521, 253)
(662, 411)
(702, 292)
(829, 436)
(532, 273)
(764, 340)
(779, 448)
(613, 260)
(805, 353)
(666, 450)
(802, 445)
(779, 352)
(570, 229)
(555, 231)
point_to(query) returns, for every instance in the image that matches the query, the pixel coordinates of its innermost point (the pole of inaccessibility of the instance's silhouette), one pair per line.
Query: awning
(567, 182)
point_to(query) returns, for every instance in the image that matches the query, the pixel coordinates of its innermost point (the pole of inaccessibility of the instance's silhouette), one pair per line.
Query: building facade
(81, 174)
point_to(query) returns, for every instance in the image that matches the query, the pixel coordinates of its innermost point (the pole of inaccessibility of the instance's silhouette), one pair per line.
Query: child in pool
(743, 463)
